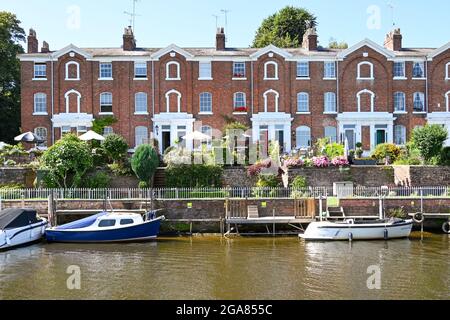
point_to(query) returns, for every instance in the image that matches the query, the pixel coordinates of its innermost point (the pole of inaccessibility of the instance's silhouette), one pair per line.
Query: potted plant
(359, 151)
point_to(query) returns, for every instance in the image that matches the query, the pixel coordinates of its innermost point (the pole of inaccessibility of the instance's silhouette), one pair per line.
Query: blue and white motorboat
(19, 227)
(108, 227)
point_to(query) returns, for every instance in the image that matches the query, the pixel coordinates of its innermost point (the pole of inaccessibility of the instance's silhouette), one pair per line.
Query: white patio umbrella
(91, 135)
(29, 137)
(196, 135)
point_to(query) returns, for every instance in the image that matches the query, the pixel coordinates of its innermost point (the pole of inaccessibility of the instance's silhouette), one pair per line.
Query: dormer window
(40, 71)
(365, 71)
(419, 70)
(173, 71)
(72, 71)
(271, 70)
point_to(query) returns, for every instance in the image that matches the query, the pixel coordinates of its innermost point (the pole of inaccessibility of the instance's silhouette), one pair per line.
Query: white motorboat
(20, 227)
(358, 230)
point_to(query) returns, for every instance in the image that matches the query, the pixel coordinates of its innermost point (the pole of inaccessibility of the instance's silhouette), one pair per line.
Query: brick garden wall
(23, 176)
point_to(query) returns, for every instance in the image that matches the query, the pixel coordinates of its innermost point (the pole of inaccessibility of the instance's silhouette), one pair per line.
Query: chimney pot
(33, 44)
(310, 40)
(220, 39)
(393, 40)
(129, 42)
(45, 47)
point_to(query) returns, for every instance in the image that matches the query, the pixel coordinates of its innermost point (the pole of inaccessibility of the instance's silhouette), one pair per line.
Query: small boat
(20, 227)
(358, 230)
(108, 227)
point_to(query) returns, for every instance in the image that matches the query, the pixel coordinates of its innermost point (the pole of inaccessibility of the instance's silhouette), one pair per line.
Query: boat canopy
(17, 218)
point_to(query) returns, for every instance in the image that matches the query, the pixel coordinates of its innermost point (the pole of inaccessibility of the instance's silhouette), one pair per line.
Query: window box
(240, 109)
(239, 75)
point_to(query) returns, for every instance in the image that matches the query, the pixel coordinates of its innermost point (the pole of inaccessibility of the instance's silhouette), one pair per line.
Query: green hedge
(193, 176)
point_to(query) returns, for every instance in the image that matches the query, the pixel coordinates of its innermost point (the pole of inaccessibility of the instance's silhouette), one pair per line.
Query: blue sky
(189, 23)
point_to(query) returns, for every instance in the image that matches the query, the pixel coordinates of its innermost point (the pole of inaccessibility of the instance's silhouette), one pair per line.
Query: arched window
(173, 70)
(67, 97)
(266, 101)
(360, 99)
(40, 104)
(303, 134)
(330, 102)
(399, 102)
(271, 70)
(365, 71)
(240, 103)
(140, 103)
(41, 132)
(447, 101)
(205, 102)
(331, 134)
(419, 102)
(72, 71)
(400, 135)
(141, 135)
(303, 102)
(168, 96)
(106, 102)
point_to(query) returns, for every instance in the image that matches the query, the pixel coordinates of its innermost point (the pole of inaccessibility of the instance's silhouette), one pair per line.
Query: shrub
(299, 182)
(115, 147)
(267, 181)
(333, 150)
(98, 181)
(10, 163)
(257, 168)
(382, 151)
(194, 176)
(429, 140)
(445, 156)
(121, 169)
(144, 163)
(66, 162)
(320, 162)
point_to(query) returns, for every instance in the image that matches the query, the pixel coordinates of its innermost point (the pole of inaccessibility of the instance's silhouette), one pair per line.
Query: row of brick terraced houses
(367, 93)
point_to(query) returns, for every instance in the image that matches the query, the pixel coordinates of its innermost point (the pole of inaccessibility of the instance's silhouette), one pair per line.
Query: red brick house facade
(367, 93)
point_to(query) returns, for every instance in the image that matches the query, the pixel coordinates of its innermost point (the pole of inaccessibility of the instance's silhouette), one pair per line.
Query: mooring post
(380, 210)
(273, 222)
(320, 208)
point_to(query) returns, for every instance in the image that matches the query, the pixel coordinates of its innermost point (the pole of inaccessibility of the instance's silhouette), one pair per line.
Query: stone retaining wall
(22, 176)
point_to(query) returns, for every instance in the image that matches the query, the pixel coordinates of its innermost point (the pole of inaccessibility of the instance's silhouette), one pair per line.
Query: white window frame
(404, 102)
(235, 75)
(65, 130)
(275, 64)
(277, 97)
(141, 136)
(107, 131)
(43, 136)
(138, 66)
(301, 96)
(447, 101)
(39, 77)
(447, 71)
(168, 94)
(303, 77)
(329, 63)
(370, 64)
(327, 101)
(297, 140)
(335, 135)
(177, 64)
(208, 97)
(422, 96)
(209, 132)
(67, 97)
(68, 64)
(235, 100)
(202, 75)
(100, 71)
(402, 132)
(138, 98)
(104, 94)
(422, 66)
(404, 71)
(42, 111)
(81, 130)
(372, 99)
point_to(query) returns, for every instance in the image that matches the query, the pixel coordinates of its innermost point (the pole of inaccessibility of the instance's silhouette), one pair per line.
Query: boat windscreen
(16, 218)
(83, 223)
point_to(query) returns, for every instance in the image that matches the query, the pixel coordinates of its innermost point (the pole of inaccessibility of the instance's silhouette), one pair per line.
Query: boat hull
(323, 231)
(23, 236)
(146, 231)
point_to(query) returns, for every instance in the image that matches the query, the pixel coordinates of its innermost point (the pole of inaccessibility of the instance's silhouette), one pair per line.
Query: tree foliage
(429, 140)
(67, 161)
(384, 150)
(115, 147)
(284, 29)
(11, 35)
(144, 163)
(100, 123)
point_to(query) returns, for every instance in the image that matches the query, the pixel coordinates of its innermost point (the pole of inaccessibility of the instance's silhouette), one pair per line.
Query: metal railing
(222, 193)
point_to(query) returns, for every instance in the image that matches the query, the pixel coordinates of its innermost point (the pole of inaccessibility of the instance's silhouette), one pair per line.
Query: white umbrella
(91, 135)
(28, 137)
(196, 135)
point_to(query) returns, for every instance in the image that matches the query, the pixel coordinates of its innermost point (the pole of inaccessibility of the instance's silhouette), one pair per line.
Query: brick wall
(22, 176)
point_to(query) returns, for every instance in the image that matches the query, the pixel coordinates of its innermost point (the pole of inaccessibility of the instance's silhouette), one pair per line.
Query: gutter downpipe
(252, 87)
(53, 98)
(337, 99)
(427, 87)
(153, 93)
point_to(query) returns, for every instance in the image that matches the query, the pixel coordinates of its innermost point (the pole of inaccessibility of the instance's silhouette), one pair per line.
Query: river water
(240, 268)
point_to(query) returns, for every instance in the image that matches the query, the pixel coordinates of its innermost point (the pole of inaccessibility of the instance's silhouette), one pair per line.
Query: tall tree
(284, 29)
(11, 35)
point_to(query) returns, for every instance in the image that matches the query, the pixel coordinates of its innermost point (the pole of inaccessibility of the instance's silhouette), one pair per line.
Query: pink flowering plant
(256, 169)
(321, 162)
(340, 161)
(293, 162)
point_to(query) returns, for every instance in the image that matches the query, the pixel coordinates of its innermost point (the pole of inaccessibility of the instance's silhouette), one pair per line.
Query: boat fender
(8, 240)
(386, 234)
(418, 217)
(350, 236)
(446, 227)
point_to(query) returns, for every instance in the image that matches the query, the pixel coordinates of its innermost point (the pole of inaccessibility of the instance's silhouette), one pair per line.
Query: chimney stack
(394, 40)
(310, 40)
(45, 47)
(129, 42)
(220, 39)
(33, 44)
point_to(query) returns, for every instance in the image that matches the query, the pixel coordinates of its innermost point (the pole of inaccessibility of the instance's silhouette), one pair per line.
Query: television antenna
(225, 13)
(392, 7)
(132, 15)
(217, 20)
